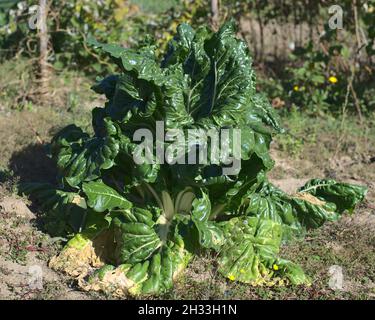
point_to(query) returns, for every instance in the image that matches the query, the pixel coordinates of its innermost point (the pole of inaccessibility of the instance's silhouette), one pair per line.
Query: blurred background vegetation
(301, 63)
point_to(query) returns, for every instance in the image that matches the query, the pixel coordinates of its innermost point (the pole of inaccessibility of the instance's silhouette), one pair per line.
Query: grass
(305, 132)
(16, 84)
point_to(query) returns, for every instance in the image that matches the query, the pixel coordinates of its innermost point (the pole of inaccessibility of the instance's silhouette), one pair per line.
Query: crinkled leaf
(67, 211)
(155, 250)
(250, 249)
(80, 158)
(250, 253)
(210, 235)
(344, 195)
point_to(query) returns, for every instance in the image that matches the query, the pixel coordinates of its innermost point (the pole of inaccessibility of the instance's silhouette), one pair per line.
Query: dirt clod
(16, 206)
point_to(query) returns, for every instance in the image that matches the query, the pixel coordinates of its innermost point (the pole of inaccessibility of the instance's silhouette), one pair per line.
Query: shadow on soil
(32, 164)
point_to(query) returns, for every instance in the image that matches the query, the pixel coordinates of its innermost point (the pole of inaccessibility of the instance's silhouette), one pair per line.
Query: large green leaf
(67, 211)
(101, 197)
(150, 277)
(250, 249)
(136, 237)
(344, 195)
(270, 202)
(143, 64)
(319, 201)
(210, 235)
(220, 80)
(312, 212)
(152, 246)
(250, 253)
(80, 158)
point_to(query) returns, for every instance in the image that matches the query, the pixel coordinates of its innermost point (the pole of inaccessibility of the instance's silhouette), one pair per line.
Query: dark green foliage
(159, 215)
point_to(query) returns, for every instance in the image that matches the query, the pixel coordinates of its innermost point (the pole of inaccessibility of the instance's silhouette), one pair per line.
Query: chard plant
(135, 226)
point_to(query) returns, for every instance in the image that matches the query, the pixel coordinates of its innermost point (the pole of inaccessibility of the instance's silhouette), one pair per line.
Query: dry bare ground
(349, 243)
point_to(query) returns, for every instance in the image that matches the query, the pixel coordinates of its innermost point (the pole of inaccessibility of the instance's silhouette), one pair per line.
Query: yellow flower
(333, 79)
(275, 267)
(296, 88)
(231, 277)
(242, 271)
